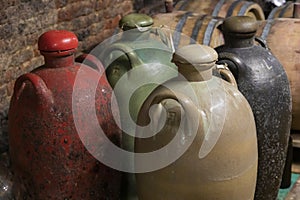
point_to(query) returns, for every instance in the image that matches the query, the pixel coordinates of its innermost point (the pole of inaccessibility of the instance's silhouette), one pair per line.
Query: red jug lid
(57, 40)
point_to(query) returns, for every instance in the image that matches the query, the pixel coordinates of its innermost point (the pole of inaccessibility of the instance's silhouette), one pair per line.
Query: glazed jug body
(52, 137)
(203, 172)
(136, 63)
(200, 131)
(264, 83)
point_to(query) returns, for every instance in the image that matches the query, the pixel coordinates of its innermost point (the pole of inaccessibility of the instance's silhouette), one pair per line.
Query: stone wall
(21, 23)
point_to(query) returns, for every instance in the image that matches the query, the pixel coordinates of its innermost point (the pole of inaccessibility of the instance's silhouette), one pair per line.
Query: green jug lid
(196, 55)
(239, 25)
(134, 20)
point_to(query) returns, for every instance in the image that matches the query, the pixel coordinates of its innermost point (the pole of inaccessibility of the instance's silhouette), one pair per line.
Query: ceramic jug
(204, 131)
(138, 59)
(263, 81)
(135, 65)
(52, 137)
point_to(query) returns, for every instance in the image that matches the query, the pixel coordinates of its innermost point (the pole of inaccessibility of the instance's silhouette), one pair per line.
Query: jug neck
(136, 35)
(238, 40)
(192, 74)
(55, 60)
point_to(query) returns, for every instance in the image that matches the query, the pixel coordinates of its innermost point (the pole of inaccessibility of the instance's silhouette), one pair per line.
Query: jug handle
(226, 73)
(43, 93)
(261, 42)
(185, 102)
(232, 61)
(130, 54)
(91, 60)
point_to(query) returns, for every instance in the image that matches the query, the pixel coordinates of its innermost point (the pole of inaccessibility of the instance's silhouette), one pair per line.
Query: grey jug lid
(196, 55)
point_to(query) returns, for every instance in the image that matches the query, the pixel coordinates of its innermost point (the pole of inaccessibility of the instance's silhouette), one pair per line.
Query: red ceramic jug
(49, 158)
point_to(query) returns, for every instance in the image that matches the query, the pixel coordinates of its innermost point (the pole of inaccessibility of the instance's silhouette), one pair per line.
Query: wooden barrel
(222, 8)
(282, 36)
(284, 11)
(189, 28)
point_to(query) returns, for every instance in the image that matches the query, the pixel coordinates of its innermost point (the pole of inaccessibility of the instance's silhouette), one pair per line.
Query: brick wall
(22, 21)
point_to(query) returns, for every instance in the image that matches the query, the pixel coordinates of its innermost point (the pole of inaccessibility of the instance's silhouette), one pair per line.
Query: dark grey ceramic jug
(263, 81)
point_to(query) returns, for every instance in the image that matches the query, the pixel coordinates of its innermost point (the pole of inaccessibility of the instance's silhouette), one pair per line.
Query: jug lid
(195, 55)
(135, 20)
(240, 25)
(57, 41)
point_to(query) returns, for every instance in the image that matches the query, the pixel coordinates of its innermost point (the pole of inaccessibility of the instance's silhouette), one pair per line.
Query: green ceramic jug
(208, 135)
(135, 64)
